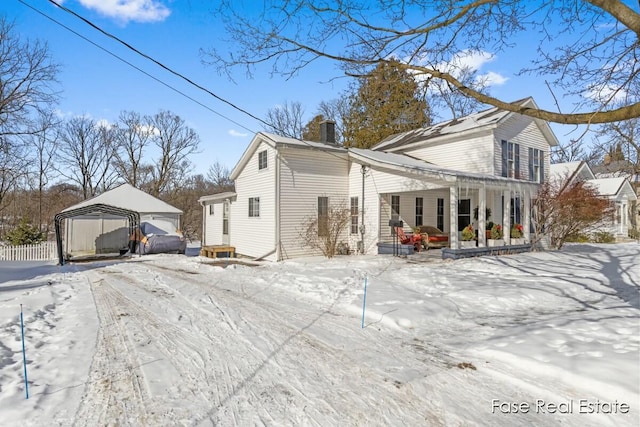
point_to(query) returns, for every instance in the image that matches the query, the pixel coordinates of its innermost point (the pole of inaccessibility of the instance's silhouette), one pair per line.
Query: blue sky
(173, 32)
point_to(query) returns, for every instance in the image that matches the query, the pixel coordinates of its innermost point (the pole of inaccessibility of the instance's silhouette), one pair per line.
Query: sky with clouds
(100, 77)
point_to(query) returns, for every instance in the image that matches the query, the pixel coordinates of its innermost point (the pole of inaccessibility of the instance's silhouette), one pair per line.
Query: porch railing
(44, 251)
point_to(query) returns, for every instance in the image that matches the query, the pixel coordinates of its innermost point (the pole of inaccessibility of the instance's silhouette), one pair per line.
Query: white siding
(254, 236)
(306, 175)
(213, 224)
(379, 186)
(525, 132)
(469, 155)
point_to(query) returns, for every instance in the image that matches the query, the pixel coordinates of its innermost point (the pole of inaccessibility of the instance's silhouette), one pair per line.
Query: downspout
(363, 169)
(204, 224)
(277, 236)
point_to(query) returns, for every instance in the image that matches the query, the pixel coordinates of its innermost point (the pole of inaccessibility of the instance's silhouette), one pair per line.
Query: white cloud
(237, 134)
(129, 10)
(606, 93)
(493, 79)
(467, 61)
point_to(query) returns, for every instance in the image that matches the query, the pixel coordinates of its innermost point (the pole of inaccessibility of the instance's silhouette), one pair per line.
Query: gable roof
(128, 197)
(571, 170)
(614, 187)
(476, 122)
(275, 141)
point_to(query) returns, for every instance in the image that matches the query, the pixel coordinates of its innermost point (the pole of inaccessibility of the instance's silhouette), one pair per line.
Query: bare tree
(27, 81)
(27, 87)
(43, 145)
(176, 142)
(85, 155)
(584, 46)
(219, 177)
(132, 136)
(286, 120)
(442, 94)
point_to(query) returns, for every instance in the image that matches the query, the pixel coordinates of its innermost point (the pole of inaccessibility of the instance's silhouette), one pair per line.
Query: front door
(225, 223)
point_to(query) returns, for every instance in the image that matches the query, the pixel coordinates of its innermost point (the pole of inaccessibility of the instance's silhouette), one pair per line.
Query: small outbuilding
(111, 222)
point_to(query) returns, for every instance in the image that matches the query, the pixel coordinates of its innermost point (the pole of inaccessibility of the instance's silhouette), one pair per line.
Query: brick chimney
(328, 131)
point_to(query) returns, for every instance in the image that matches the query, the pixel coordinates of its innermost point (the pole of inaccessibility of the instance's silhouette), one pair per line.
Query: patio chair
(414, 239)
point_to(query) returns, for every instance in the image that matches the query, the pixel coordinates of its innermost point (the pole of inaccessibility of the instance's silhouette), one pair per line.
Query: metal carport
(97, 209)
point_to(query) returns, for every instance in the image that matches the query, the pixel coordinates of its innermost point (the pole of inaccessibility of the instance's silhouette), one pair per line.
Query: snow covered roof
(403, 161)
(613, 187)
(471, 123)
(217, 197)
(127, 196)
(571, 170)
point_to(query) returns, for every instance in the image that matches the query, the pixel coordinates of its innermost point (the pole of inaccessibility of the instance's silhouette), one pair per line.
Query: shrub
(634, 234)
(603, 237)
(468, 233)
(578, 238)
(516, 231)
(24, 234)
(496, 232)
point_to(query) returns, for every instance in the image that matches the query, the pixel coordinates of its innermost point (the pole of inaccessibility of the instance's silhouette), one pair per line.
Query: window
(354, 215)
(516, 208)
(440, 214)
(323, 216)
(210, 209)
(262, 160)
(254, 206)
(536, 165)
(464, 213)
(419, 210)
(225, 218)
(510, 160)
(395, 211)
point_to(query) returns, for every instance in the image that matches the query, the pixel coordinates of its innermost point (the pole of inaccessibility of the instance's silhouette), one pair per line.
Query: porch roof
(217, 197)
(407, 164)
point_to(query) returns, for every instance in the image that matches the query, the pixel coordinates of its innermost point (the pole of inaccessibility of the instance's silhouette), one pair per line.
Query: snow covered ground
(532, 339)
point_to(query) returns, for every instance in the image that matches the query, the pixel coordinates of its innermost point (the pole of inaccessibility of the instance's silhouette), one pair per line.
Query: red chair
(414, 239)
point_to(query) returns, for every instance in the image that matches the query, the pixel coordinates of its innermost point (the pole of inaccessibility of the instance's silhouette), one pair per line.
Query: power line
(134, 66)
(170, 70)
(160, 64)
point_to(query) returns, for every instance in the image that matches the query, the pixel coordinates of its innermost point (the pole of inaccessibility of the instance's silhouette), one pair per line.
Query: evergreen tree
(387, 101)
(311, 131)
(24, 234)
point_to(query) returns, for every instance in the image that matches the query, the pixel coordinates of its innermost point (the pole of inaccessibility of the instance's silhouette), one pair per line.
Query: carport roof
(128, 197)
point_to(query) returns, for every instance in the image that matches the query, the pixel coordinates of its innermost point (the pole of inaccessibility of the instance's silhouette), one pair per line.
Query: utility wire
(160, 64)
(134, 66)
(170, 70)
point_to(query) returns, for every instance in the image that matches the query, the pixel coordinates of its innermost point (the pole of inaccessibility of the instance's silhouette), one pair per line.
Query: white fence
(44, 251)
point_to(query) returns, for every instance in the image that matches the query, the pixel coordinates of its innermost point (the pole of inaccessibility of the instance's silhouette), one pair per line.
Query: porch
(451, 209)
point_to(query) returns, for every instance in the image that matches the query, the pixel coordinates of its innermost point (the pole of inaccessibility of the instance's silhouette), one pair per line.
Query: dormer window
(262, 160)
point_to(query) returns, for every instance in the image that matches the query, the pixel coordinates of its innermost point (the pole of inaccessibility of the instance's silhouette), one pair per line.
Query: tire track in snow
(115, 394)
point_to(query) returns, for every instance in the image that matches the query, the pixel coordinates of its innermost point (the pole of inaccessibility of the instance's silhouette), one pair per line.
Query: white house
(617, 189)
(434, 176)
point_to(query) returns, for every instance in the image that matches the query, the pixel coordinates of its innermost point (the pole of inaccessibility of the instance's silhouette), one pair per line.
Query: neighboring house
(616, 189)
(432, 176)
(103, 224)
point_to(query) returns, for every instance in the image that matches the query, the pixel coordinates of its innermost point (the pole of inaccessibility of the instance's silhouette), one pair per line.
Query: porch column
(506, 217)
(482, 220)
(453, 217)
(526, 217)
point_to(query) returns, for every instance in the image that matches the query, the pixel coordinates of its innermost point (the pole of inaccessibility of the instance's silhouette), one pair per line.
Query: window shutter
(541, 166)
(517, 161)
(504, 158)
(531, 177)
